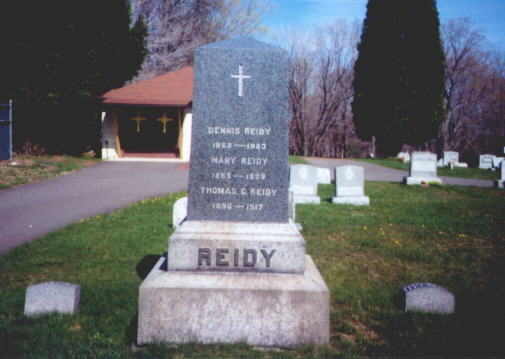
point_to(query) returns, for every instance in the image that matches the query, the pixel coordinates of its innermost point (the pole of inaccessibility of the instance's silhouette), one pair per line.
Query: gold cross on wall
(164, 120)
(138, 119)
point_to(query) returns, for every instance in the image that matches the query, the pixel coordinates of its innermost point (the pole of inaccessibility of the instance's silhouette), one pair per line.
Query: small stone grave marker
(423, 169)
(350, 182)
(450, 157)
(486, 162)
(303, 183)
(429, 298)
(179, 212)
(323, 175)
(403, 156)
(52, 297)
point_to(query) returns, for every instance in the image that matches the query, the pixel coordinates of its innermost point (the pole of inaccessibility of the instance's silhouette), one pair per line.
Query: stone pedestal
(421, 180)
(307, 199)
(354, 200)
(237, 247)
(261, 309)
(499, 183)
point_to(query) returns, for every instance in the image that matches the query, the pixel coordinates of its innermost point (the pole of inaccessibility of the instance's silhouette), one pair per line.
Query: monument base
(307, 199)
(354, 200)
(219, 246)
(499, 183)
(261, 309)
(421, 180)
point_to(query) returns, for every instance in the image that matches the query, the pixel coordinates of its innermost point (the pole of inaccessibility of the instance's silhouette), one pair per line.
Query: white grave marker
(303, 183)
(350, 181)
(423, 169)
(486, 162)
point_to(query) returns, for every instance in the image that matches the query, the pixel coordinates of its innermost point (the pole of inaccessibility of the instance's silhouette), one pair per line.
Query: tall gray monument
(237, 269)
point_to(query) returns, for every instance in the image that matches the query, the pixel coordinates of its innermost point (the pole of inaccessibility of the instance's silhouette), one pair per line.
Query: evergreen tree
(59, 57)
(399, 74)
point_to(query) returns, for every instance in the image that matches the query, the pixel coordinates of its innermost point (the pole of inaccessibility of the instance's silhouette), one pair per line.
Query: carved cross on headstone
(241, 78)
(138, 119)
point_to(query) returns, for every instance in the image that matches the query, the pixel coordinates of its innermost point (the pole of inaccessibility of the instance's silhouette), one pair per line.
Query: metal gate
(6, 131)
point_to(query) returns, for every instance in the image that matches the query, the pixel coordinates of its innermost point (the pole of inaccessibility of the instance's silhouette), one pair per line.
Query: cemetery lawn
(472, 173)
(449, 235)
(33, 169)
(297, 160)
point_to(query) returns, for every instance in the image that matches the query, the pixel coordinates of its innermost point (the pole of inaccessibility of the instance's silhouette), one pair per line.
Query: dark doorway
(149, 132)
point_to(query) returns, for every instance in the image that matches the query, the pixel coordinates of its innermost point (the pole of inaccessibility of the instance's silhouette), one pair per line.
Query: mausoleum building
(151, 118)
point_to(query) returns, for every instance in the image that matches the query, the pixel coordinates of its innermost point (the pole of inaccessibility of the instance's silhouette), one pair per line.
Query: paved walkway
(384, 174)
(30, 211)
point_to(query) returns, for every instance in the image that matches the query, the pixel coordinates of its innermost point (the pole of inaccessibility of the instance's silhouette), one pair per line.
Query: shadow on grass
(132, 330)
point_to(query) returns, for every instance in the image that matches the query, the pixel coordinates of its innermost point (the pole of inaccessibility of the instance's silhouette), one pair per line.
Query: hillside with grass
(449, 235)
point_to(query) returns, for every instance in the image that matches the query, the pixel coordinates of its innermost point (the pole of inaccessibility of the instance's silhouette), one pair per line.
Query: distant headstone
(403, 156)
(349, 183)
(236, 269)
(486, 162)
(497, 161)
(429, 298)
(499, 183)
(323, 175)
(423, 169)
(179, 212)
(450, 157)
(52, 297)
(303, 183)
(440, 163)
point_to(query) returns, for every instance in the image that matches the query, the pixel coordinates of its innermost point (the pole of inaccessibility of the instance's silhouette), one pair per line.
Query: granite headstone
(350, 182)
(303, 182)
(450, 157)
(179, 211)
(323, 175)
(403, 156)
(238, 217)
(486, 161)
(497, 161)
(423, 169)
(239, 154)
(428, 297)
(52, 297)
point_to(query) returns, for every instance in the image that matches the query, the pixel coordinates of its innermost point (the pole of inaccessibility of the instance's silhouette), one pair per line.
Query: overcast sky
(487, 15)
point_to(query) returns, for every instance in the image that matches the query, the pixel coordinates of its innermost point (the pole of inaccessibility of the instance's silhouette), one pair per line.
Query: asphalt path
(32, 210)
(385, 174)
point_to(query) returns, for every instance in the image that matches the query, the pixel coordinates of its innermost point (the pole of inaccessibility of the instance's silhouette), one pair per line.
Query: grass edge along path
(471, 173)
(28, 169)
(449, 235)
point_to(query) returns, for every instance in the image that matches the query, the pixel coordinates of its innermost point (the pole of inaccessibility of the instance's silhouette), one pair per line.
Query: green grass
(449, 235)
(472, 173)
(297, 160)
(33, 169)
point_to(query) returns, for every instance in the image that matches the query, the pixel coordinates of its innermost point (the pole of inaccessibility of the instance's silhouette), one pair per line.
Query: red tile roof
(172, 89)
